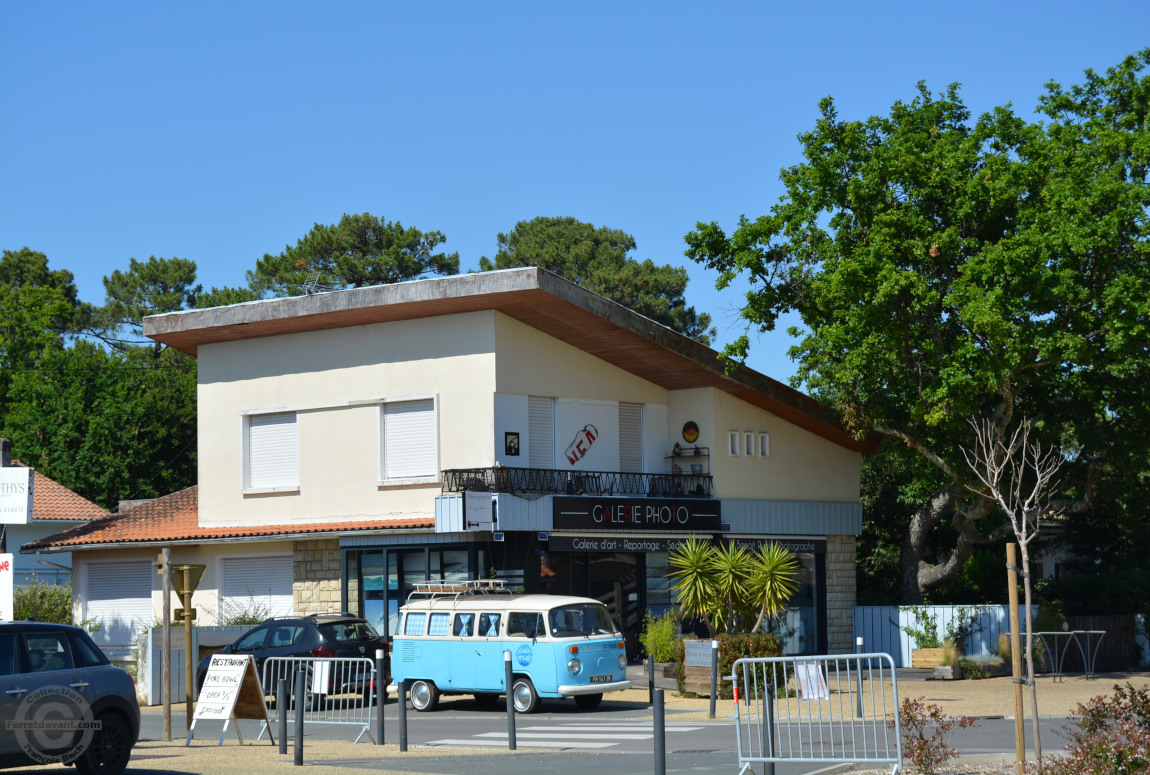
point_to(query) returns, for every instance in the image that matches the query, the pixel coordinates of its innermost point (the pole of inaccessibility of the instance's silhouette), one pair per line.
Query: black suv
(54, 674)
(317, 635)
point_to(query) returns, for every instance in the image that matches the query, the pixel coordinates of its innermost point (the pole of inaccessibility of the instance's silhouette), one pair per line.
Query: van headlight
(622, 662)
(574, 666)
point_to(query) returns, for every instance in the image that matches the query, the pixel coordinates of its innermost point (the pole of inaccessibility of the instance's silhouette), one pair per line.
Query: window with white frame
(272, 451)
(734, 441)
(749, 443)
(764, 445)
(410, 441)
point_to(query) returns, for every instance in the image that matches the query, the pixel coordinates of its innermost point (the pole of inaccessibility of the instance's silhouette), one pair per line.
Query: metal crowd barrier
(832, 708)
(340, 690)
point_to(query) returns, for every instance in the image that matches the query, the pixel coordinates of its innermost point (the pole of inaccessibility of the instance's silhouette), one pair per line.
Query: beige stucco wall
(318, 373)
(801, 465)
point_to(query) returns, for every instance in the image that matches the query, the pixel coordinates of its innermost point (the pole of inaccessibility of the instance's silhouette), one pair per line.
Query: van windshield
(580, 619)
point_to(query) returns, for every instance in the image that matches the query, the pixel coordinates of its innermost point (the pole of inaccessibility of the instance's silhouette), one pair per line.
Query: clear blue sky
(220, 131)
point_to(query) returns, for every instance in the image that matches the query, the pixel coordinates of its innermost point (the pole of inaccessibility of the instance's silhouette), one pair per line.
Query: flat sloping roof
(174, 519)
(533, 296)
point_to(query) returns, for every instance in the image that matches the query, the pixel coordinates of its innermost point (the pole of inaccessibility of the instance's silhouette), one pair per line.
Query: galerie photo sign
(661, 514)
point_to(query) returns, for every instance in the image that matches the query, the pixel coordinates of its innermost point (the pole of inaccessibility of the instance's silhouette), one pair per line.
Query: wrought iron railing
(551, 481)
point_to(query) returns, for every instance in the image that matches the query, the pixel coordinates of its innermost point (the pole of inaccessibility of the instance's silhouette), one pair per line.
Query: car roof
(328, 618)
(31, 625)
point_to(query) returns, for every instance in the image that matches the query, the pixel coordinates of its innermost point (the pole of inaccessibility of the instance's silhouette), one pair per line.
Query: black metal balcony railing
(547, 480)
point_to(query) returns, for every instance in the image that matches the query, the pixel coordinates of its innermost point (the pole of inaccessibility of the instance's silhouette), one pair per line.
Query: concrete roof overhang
(532, 296)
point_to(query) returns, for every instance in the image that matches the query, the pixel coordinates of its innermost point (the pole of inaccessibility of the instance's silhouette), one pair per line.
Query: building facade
(505, 424)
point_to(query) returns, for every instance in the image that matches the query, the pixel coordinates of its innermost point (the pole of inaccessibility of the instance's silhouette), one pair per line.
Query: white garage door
(119, 600)
(260, 585)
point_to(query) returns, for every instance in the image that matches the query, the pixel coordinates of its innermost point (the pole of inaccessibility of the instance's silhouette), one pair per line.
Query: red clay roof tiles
(175, 517)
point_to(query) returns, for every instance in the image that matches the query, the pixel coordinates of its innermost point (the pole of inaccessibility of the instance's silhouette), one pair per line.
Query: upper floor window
(409, 447)
(272, 451)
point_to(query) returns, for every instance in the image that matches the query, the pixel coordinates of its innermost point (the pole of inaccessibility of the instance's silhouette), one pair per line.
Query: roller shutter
(119, 600)
(261, 584)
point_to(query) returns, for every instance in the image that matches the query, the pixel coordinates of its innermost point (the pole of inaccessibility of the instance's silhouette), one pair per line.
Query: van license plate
(600, 679)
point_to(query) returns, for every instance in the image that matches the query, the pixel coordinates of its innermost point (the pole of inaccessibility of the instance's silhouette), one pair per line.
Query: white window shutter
(273, 450)
(631, 438)
(119, 599)
(410, 440)
(260, 583)
(541, 432)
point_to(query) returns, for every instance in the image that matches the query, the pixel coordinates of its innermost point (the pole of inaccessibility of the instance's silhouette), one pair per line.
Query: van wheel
(523, 696)
(588, 701)
(424, 695)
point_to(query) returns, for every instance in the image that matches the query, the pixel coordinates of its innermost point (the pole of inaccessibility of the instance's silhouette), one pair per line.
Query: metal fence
(545, 480)
(340, 690)
(826, 709)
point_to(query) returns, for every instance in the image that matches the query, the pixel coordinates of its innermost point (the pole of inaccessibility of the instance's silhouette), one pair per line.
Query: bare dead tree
(1020, 477)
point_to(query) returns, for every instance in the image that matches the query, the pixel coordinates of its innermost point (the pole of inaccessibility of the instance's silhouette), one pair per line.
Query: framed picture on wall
(511, 444)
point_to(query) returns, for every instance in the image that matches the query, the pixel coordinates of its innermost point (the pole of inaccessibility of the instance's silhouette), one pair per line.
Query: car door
(252, 644)
(50, 663)
(13, 687)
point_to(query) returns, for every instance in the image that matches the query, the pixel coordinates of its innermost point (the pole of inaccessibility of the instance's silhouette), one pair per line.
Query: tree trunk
(918, 573)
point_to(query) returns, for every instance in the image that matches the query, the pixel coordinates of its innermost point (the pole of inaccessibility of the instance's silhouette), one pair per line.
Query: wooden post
(1015, 656)
(166, 672)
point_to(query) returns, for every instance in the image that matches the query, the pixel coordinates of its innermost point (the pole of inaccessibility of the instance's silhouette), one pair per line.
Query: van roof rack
(431, 590)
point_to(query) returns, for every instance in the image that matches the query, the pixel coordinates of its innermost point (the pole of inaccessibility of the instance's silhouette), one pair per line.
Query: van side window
(523, 624)
(413, 624)
(464, 625)
(438, 624)
(489, 625)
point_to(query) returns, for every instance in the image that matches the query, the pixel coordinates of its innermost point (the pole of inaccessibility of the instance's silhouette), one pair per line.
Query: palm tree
(692, 566)
(772, 581)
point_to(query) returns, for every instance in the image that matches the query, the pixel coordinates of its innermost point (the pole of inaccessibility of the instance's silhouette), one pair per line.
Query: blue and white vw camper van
(451, 640)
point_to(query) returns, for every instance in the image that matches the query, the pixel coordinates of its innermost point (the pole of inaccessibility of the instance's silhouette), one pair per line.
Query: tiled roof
(175, 517)
(53, 501)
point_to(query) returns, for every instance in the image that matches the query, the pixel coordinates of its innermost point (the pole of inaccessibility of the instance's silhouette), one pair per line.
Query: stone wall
(841, 593)
(316, 577)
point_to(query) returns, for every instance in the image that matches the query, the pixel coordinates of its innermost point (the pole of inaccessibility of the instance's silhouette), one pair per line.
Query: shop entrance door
(614, 581)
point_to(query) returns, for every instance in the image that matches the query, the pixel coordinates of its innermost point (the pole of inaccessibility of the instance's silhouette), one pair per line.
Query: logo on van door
(524, 655)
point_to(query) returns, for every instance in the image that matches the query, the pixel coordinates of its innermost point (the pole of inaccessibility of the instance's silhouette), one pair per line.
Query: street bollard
(660, 735)
(769, 715)
(510, 700)
(650, 678)
(401, 696)
(281, 712)
(380, 695)
(300, 697)
(858, 679)
(714, 677)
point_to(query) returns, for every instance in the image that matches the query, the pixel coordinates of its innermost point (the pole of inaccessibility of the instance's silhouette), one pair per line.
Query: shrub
(971, 670)
(43, 602)
(253, 612)
(949, 652)
(731, 648)
(659, 635)
(1004, 646)
(1109, 735)
(925, 733)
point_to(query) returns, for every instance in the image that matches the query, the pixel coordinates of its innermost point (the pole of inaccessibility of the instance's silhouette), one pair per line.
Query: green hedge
(731, 648)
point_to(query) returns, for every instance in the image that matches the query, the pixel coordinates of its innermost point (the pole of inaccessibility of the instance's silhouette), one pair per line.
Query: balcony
(547, 481)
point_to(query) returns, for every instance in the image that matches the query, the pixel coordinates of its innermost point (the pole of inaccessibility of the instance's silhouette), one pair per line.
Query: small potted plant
(949, 669)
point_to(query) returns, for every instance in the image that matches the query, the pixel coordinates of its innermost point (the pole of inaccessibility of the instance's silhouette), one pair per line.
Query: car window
(285, 635)
(253, 641)
(413, 624)
(85, 652)
(489, 625)
(525, 624)
(464, 625)
(438, 624)
(9, 654)
(347, 632)
(47, 651)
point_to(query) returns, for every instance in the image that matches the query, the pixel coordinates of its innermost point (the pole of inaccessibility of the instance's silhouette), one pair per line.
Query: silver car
(62, 701)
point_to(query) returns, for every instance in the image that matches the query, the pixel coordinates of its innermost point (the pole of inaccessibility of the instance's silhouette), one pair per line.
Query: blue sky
(221, 131)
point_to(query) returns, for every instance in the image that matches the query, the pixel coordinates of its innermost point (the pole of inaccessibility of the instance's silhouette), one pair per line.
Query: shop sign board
(15, 495)
(661, 514)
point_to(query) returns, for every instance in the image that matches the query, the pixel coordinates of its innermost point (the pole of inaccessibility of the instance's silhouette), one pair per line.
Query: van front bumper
(614, 686)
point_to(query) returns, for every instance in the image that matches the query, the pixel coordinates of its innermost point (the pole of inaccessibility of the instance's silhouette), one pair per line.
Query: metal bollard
(401, 696)
(660, 735)
(510, 700)
(380, 695)
(300, 697)
(714, 677)
(650, 678)
(281, 712)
